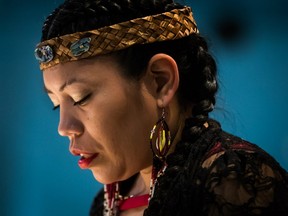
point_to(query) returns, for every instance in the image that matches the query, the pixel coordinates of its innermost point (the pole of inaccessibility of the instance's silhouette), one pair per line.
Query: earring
(160, 135)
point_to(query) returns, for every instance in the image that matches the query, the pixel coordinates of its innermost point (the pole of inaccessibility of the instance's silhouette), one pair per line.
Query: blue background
(38, 174)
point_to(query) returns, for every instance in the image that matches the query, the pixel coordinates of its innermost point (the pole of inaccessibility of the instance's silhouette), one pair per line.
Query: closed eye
(82, 101)
(77, 103)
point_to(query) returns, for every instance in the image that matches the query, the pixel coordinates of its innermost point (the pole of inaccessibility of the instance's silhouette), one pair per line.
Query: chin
(103, 179)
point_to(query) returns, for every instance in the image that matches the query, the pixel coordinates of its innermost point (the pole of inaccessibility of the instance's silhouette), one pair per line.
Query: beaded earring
(160, 138)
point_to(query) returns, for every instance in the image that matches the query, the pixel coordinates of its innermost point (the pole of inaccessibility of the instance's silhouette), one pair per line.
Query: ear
(165, 74)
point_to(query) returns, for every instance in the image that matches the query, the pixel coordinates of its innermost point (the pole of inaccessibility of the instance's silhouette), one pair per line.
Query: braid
(83, 15)
(188, 155)
(198, 86)
(197, 71)
(199, 82)
(206, 94)
(48, 24)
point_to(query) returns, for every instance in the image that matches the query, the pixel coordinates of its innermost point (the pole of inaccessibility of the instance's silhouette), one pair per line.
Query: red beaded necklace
(114, 202)
(133, 202)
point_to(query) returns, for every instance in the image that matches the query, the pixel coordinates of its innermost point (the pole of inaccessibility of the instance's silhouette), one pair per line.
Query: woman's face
(106, 116)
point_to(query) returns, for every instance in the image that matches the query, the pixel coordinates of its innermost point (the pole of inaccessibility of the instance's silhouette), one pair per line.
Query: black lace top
(217, 174)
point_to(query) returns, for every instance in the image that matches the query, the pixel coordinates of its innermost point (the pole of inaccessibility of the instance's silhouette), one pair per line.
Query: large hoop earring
(160, 138)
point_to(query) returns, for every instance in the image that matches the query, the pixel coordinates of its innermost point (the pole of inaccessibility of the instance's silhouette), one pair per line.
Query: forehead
(86, 69)
(81, 68)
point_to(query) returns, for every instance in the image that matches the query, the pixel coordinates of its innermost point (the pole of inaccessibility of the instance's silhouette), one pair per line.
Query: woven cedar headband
(171, 25)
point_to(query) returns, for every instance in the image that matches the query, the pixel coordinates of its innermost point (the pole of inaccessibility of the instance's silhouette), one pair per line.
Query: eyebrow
(62, 87)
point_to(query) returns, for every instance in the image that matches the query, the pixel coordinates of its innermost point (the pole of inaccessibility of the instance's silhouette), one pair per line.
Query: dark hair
(197, 69)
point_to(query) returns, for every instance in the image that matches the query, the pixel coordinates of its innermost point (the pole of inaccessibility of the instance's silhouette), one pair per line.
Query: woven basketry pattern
(171, 25)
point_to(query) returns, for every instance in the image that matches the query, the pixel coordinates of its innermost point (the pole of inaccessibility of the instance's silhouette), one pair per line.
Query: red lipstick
(85, 162)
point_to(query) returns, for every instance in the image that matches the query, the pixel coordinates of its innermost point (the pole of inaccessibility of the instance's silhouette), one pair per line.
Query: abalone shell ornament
(80, 46)
(44, 54)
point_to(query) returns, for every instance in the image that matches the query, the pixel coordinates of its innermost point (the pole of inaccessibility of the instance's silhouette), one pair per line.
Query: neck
(142, 183)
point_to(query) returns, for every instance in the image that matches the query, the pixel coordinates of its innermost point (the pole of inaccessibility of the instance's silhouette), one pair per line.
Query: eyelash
(82, 101)
(77, 103)
(55, 107)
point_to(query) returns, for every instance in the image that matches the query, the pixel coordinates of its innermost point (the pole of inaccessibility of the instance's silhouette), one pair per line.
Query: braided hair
(197, 69)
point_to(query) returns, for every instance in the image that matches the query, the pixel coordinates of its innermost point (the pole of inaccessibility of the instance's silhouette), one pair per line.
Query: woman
(135, 84)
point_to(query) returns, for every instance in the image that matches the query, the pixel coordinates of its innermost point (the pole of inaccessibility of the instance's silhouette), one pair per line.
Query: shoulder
(232, 152)
(232, 147)
(243, 177)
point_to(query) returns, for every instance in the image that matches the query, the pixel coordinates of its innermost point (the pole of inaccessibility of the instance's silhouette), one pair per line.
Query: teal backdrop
(39, 177)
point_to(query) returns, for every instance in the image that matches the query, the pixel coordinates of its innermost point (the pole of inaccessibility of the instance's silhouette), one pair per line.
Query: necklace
(133, 202)
(114, 202)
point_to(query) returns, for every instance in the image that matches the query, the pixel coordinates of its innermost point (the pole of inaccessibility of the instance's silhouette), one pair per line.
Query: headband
(175, 24)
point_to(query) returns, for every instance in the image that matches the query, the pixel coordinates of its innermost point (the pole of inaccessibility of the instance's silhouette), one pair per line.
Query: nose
(69, 123)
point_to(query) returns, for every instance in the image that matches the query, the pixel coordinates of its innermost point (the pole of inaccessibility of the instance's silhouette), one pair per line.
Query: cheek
(121, 124)
(121, 136)
(114, 119)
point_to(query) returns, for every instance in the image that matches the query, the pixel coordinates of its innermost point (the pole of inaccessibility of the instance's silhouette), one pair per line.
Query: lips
(85, 161)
